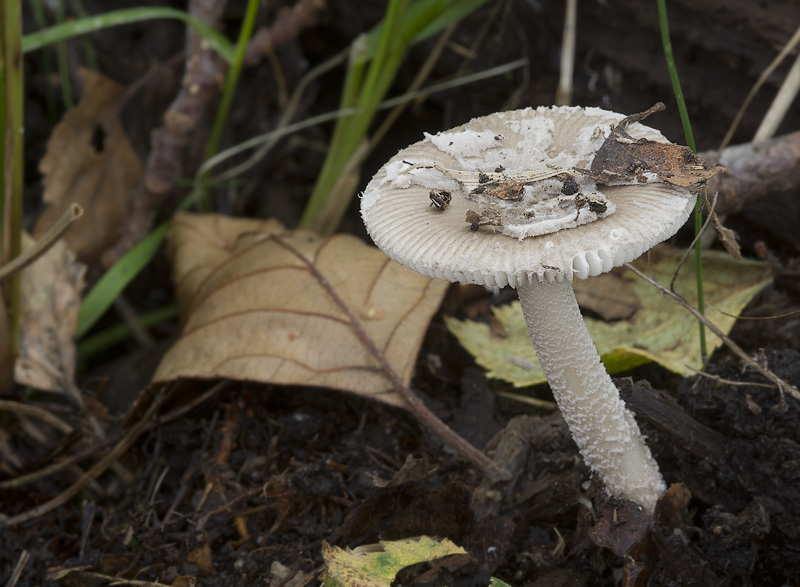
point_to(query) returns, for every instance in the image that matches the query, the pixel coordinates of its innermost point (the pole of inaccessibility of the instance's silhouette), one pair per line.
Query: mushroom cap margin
(440, 244)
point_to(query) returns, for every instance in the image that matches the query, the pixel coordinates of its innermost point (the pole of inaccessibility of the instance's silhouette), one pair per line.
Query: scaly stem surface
(603, 428)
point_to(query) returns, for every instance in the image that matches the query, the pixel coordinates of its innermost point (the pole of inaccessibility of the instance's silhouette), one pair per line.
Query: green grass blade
(666, 43)
(96, 343)
(455, 11)
(37, 8)
(231, 80)
(422, 20)
(89, 54)
(82, 26)
(687, 130)
(117, 279)
(12, 160)
(63, 64)
(385, 46)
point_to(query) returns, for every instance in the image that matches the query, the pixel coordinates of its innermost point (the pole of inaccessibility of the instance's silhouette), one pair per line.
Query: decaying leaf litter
(265, 465)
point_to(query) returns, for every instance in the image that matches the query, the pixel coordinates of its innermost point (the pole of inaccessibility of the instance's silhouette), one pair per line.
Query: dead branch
(203, 80)
(755, 170)
(289, 23)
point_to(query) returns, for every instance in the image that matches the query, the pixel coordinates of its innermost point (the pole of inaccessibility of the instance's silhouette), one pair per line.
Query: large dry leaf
(90, 161)
(656, 330)
(50, 302)
(265, 304)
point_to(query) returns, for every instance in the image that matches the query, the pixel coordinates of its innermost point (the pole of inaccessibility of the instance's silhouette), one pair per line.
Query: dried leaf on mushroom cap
(396, 204)
(621, 160)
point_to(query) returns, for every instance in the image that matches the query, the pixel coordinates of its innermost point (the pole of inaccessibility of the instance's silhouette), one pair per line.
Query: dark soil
(254, 477)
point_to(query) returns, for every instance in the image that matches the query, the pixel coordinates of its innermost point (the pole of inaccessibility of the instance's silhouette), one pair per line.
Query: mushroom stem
(603, 428)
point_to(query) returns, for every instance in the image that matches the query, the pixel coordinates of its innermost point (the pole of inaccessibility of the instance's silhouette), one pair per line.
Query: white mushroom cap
(439, 243)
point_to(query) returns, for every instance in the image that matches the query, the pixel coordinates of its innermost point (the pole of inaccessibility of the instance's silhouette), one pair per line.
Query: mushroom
(564, 226)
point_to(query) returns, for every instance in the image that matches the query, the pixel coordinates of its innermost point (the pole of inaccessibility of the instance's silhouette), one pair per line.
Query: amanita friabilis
(498, 201)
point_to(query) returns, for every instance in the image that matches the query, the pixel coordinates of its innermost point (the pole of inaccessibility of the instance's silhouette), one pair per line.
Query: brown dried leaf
(50, 303)
(266, 304)
(727, 236)
(623, 159)
(620, 526)
(609, 295)
(90, 161)
(671, 507)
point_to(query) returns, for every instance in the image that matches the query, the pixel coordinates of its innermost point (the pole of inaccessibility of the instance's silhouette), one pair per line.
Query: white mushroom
(536, 236)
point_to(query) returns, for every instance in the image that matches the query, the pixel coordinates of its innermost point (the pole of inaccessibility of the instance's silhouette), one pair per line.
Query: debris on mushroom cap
(621, 160)
(553, 233)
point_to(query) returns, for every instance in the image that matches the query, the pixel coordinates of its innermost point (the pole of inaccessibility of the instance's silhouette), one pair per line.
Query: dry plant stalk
(203, 80)
(289, 23)
(142, 424)
(48, 239)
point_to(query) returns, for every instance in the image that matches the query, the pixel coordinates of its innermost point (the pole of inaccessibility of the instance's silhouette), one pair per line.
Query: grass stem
(248, 25)
(13, 160)
(687, 131)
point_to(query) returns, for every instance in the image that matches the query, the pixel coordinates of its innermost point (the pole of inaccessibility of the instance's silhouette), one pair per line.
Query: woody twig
(755, 170)
(202, 83)
(289, 23)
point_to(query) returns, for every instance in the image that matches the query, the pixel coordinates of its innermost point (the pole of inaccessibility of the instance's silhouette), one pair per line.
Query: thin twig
(98, 444)
(188, 407)
(731, 381)
(776, 317)
(201, 85)
(23, 559)
(757, 86)
(780, 105)
(782, 385)
(414, 404)
(37, 412)
(698, 235)
(131, 319)
(41, 246)
(270, 139)
(282, 131)
(98, 469)
(288, 24)
(21, 480)
(526, 399)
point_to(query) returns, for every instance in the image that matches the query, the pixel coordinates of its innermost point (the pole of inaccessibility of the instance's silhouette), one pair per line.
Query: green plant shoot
(687, 130)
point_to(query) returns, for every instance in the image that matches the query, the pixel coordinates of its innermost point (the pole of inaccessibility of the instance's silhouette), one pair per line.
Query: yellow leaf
(376, 565)
(658, 330)
(265, 304)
